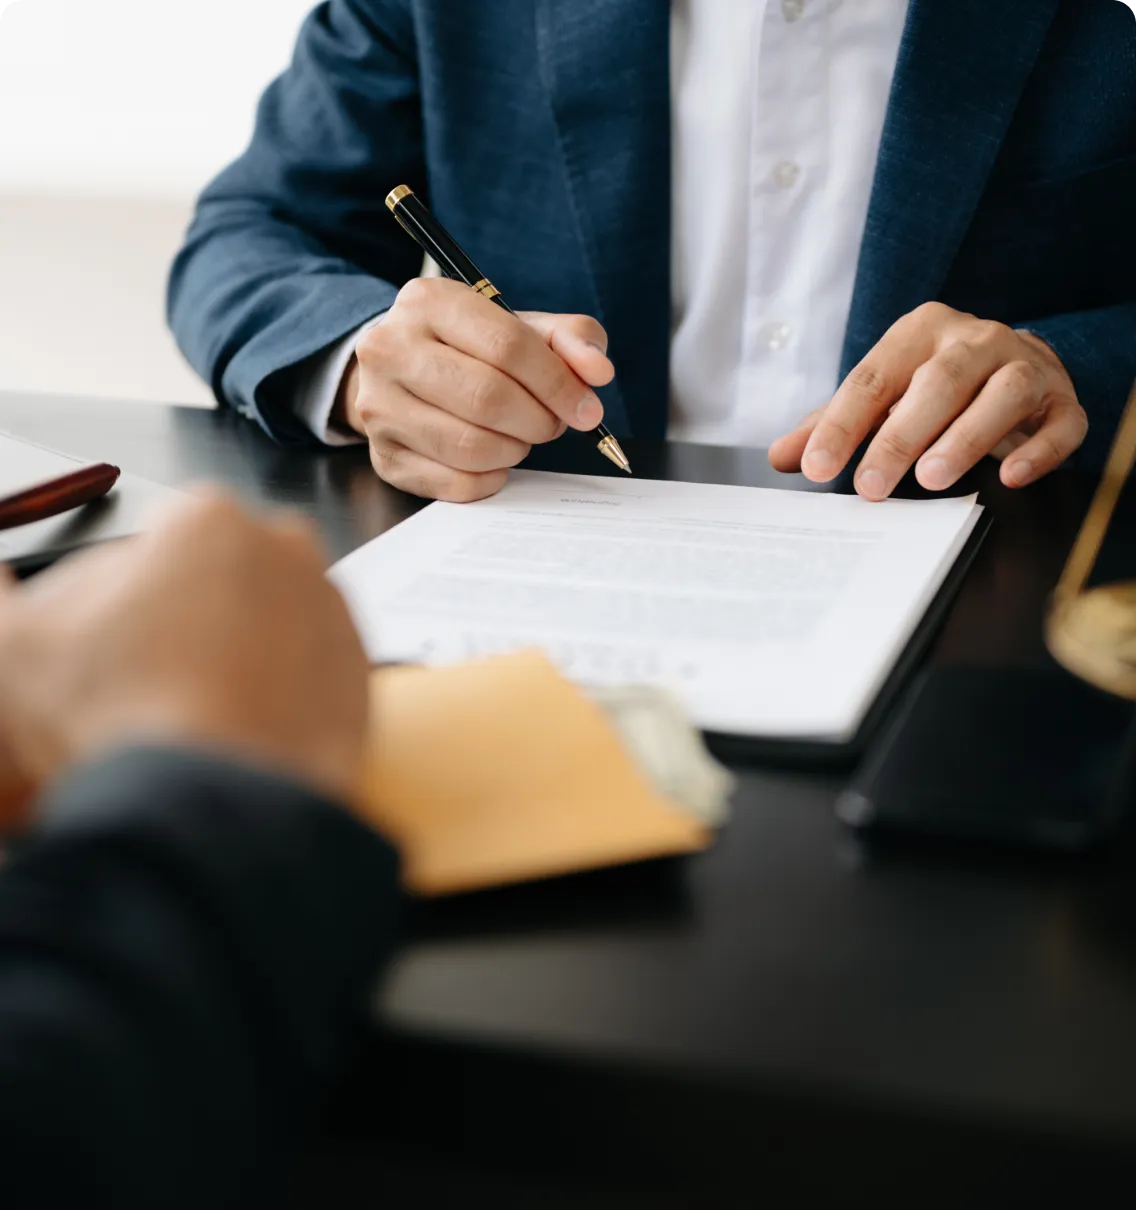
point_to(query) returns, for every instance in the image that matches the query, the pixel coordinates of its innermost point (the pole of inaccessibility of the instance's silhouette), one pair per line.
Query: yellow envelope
(502, 771)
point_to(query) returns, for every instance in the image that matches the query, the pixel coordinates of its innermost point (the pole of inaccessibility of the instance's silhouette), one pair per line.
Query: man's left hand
(944, 389)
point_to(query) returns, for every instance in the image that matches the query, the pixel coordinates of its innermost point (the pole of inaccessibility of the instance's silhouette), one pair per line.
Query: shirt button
(776, 336)
(786, 175)
(793, 10)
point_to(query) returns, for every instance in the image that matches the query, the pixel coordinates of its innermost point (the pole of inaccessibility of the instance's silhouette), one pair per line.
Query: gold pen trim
(397, 195)
(486, 288)
(613, 452)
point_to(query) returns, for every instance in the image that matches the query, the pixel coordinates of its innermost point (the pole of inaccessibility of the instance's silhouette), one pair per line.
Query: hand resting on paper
(944, 390)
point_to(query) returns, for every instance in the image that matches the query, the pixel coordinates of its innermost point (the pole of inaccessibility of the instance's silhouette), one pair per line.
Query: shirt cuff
(317, 387)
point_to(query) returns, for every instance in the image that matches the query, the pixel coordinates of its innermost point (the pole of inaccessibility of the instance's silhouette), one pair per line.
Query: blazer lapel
(607, 70)
(963, 66)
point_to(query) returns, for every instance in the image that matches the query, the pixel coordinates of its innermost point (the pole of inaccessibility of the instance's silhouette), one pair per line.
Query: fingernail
(1019, 473)
(935, 474)
(871, 483)
(819, 464)
(598, 348)
(561, 430)
(589, 412)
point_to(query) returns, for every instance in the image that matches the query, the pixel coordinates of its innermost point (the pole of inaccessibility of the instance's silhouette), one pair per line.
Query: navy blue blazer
(539, 131)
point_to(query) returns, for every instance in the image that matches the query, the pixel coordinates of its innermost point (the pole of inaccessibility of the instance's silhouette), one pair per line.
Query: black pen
(445, 252)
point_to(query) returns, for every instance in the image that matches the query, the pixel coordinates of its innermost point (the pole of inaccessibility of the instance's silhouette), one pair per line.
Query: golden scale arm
(1092, 631)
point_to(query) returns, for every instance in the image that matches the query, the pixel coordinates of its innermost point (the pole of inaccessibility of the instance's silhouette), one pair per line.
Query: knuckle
(374, 344)
(933, 313)
(421, 366)
(504, 344)
(386, 460)
(458, 487)
(374, 408)
(953, 367)
(1021, 378)
(417, 294)
(871, 382)
(982, 333)
(486, 399)
(895, 446)
(475, 447)
(833, 427)
(968, 444)
(1054, 453)
(433, 438)
(386, 350)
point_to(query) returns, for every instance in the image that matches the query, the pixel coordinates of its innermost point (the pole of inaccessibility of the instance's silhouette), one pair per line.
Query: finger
(865, 396)
(786, 452)
(418, 475)
(445, 438)
(578, 340)
(1011, 442)
(1013, 394)
(941, 390)
(475, 326)
(1061, 435)
(479, 394)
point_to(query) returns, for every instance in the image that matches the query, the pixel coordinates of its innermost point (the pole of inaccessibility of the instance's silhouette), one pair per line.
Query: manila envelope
(502, 771)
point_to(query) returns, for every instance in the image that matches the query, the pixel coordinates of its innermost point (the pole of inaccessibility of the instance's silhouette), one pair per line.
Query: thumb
(579, 341)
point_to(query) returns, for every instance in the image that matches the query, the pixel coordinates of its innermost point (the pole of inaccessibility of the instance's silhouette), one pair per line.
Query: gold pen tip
(396, 195)
(611, 450)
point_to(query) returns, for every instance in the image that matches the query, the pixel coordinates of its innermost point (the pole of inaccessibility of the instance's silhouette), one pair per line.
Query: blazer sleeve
(185, 948)
(292, 246)
(1098, 349)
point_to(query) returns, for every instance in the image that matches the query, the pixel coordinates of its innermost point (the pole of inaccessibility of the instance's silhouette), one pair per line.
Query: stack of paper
(771, 613)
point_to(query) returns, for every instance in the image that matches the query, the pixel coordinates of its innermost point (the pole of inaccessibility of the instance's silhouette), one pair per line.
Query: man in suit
(194, 913)
(715, 212)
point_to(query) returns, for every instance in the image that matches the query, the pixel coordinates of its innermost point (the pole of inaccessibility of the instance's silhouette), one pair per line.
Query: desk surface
(787, 1006)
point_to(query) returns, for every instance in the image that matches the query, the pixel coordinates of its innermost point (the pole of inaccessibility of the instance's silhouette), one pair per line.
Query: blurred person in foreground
(786, 224)
(192, 909)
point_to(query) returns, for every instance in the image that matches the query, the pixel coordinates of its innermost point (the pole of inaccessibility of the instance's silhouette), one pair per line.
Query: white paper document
(125, 511)
(771, 613)
(24, 465)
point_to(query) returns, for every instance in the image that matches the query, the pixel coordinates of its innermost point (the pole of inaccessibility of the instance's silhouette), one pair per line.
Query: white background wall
(133, 96)
(113, 113)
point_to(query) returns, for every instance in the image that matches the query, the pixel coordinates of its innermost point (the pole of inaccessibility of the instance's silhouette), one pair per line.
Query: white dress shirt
(777, 108)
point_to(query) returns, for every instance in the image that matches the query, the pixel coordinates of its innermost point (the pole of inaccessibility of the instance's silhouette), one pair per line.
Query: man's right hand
(213, 630)
(451, 390)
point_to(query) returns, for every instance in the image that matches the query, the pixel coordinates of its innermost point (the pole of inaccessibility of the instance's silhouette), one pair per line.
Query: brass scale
(1092, 631)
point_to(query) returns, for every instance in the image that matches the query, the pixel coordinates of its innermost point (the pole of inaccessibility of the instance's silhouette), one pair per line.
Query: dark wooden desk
(786, 1017)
